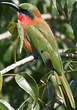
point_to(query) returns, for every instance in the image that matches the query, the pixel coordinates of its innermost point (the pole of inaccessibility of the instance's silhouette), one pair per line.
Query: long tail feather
(67, 89)
(58, 90)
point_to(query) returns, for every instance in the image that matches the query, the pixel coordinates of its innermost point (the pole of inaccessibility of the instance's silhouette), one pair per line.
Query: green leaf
(70, 6)
(67, 65)
(28, 84)
(5, 105)
(54, 3)
(68, 31)
(60, 6)
(16, 1)
(74, 20)
(29, 105)
(1, 81)
(9, 54)
(12, 27)
(35, 107)
(71, 50)
(22, 105)
(21, 34)
(61, 107)
(32, 106)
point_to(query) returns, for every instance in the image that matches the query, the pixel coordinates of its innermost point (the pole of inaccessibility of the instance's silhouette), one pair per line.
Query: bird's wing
(43, 45)
(47, 33)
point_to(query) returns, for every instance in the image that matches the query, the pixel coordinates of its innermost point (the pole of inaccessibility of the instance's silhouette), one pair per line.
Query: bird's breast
(26, 22)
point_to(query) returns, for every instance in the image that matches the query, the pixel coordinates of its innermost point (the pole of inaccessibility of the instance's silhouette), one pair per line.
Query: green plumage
(43, 44)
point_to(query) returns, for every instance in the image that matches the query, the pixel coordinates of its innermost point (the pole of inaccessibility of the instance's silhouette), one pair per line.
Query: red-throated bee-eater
(39, 37)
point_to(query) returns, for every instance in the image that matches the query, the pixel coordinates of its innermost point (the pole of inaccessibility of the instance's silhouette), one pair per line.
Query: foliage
(32, 88)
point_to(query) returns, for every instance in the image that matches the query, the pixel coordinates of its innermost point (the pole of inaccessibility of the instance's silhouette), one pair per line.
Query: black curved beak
(11, 5)
(19, 9)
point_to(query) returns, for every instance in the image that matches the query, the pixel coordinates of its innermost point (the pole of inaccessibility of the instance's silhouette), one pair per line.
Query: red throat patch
(23, 18)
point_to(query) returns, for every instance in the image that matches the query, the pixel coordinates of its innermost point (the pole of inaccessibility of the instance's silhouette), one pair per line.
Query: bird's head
(25, 11)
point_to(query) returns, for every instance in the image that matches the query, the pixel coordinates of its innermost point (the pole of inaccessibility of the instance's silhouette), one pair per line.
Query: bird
(39, 37)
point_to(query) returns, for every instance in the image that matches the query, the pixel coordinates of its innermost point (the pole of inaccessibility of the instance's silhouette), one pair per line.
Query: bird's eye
(41, 51)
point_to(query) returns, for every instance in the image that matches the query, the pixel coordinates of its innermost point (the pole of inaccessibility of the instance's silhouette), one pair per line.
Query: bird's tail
(66, 88)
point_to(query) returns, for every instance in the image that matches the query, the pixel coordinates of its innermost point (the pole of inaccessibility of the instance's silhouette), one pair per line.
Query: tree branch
(31, 58)
(5, 35)
(18, 63)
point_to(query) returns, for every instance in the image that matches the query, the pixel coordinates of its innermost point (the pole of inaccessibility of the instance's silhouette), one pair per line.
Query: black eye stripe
(26, 12)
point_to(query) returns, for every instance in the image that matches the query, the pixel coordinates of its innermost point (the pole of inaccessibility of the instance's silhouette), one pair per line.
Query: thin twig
(18, 63)
(49, 16)
(69, 55)
(9, 78)
(64, 39)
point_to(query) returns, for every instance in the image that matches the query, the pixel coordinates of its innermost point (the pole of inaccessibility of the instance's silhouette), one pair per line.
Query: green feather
(47, 33)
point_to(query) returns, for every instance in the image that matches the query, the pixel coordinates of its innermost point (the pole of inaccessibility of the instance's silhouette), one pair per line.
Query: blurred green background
(64, 25)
